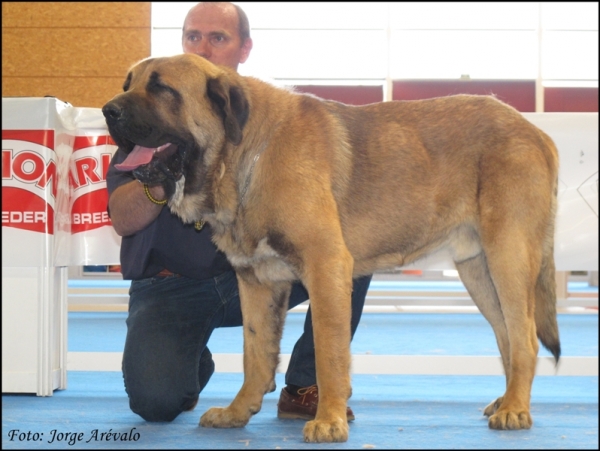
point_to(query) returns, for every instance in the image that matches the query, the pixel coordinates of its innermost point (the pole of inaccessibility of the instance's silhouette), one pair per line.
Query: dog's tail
(545, 288)
(545, 307)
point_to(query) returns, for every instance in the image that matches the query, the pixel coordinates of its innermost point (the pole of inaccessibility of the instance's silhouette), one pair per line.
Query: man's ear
(231, 104)
(246, 47)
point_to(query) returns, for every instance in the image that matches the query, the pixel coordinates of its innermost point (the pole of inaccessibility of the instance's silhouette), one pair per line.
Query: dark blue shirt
(167, 243)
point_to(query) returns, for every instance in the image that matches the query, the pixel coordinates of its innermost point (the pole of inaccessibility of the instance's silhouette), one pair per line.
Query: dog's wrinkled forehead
(154, 74)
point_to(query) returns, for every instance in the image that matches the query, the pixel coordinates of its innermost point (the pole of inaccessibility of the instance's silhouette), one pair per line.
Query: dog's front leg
(263, 311)
(329, 282)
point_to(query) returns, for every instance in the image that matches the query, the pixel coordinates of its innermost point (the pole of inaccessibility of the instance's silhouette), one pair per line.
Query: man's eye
(218, 39)
(192, 38)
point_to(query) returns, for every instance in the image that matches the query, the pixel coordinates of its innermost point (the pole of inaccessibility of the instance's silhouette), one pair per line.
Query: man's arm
(130, 208)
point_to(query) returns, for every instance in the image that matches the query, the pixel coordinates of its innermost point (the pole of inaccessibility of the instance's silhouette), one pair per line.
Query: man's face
(211, 31)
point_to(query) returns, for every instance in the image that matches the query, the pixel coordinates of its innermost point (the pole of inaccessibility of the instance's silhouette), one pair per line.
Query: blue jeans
(166, 361)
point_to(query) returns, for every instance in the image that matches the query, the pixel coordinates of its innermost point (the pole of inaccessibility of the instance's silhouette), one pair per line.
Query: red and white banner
(93, 239)
(54, 163)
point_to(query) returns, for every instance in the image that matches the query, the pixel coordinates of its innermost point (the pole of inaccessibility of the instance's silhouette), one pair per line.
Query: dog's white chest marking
(266, 262)
(177, 198)
(186, 207)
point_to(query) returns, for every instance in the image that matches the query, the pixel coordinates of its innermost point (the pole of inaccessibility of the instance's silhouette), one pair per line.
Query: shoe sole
(299, 416)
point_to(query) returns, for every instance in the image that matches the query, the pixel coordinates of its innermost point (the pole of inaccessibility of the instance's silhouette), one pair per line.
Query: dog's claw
(492, 407)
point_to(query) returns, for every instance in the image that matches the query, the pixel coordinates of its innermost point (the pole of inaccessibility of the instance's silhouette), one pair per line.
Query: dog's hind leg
(475, 276)
(514, 200)
(263, 310)
(514, 265)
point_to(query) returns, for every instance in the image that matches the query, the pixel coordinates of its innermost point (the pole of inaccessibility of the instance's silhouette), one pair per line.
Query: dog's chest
(268, 265)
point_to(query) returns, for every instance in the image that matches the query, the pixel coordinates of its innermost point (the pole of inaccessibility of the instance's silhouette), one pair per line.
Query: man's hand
(130, 208)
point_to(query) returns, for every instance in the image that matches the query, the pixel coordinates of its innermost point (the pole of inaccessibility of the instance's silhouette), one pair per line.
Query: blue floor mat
(392, 412)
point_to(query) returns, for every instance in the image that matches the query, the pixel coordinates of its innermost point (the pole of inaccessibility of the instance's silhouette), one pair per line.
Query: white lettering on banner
(31, 217)
(91, 218)
(28, 167)
(89, 169)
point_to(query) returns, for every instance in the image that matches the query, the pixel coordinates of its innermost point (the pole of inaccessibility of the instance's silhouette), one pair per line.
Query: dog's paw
(319, 431)
(223, 417)
(492, 407)
(506, 419)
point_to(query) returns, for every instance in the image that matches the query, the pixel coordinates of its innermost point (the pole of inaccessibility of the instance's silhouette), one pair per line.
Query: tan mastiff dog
(295, 187)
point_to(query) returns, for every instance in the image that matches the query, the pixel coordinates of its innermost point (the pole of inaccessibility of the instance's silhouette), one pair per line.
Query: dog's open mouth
(156, 165)
(143, 155)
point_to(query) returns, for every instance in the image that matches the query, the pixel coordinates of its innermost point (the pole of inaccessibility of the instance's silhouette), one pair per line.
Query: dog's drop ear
(231, 104)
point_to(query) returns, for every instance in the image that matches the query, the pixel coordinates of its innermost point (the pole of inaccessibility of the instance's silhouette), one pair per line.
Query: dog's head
(171, 112)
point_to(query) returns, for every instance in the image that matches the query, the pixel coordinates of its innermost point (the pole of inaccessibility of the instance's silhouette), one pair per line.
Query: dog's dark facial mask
(155, 156)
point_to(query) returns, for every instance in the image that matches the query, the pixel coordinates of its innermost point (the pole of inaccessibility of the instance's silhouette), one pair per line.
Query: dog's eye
(155, 85)
(159, 87)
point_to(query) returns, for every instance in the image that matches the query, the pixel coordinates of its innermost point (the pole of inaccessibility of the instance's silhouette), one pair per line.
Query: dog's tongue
(139, 156)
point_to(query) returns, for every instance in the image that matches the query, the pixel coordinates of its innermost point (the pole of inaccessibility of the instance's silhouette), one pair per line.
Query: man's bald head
(219, 32)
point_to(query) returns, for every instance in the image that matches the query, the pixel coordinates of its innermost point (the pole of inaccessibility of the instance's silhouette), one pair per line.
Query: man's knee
(154, 408)
(154, 401)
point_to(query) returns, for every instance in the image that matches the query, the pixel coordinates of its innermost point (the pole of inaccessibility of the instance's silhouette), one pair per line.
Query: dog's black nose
(112, 112)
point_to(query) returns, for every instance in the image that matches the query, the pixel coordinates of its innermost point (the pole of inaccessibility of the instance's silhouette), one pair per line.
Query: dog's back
(418, 168)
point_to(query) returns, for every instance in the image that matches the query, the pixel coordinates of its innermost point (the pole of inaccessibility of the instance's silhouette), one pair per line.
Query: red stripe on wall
(571, 100)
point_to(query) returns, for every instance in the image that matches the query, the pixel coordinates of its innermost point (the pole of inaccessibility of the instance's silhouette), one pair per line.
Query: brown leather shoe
(303, 405)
